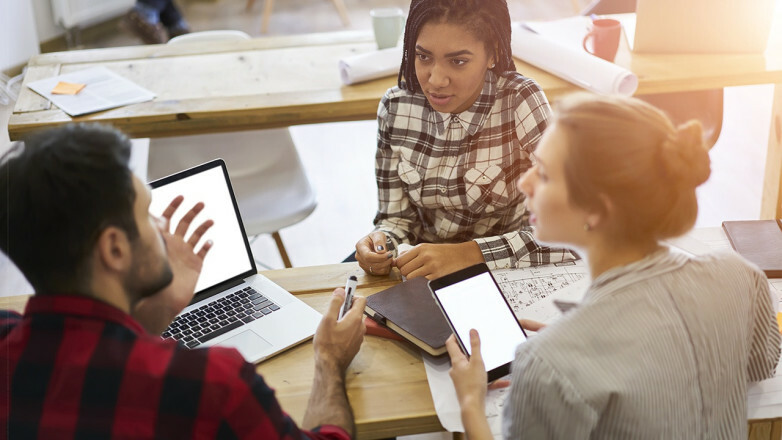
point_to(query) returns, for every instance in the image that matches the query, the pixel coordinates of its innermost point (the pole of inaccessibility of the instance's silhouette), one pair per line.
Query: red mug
(605, 36)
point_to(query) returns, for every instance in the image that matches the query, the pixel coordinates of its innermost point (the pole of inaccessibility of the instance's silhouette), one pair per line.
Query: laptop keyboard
(219, 317)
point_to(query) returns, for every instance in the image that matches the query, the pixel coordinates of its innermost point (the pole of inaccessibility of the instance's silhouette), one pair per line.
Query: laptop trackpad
(248, 343)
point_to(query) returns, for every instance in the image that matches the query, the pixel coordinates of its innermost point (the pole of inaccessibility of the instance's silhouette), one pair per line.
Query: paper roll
(572, 64)
(371, 65)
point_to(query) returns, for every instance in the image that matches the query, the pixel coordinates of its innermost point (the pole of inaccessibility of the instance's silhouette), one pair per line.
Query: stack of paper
(103, 89)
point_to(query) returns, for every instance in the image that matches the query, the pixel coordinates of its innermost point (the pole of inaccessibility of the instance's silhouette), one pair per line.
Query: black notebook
(409, 310)
(759, 241)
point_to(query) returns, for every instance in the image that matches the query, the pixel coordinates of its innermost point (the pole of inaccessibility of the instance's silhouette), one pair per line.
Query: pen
(350, 288)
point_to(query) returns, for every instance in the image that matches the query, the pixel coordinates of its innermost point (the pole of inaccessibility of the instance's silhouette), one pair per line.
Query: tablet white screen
(477, 303)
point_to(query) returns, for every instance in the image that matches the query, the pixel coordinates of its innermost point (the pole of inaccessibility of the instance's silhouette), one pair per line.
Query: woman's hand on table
(436, 260)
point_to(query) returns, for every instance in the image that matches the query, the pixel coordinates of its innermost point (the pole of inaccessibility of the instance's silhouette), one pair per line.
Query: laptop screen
(230, 255)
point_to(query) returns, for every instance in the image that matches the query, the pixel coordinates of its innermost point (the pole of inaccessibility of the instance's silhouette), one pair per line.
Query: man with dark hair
(85, 359)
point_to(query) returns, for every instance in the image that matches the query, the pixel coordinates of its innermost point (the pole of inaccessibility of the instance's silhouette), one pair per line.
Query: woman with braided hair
(453, 137)
(663, 344)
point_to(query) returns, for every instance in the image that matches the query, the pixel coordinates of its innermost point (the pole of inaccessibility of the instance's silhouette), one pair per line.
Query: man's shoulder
(8, 320)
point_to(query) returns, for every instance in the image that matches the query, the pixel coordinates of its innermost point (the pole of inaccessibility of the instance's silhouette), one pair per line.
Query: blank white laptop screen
(229, 256)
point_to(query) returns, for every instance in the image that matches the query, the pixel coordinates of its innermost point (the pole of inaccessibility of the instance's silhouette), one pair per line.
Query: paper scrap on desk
(106, 90)
(572, 64)
(66, 88)
(446, 404)
(370, 65)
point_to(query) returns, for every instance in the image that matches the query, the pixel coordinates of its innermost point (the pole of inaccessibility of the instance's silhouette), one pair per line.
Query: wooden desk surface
(283, 81)
(386, 382)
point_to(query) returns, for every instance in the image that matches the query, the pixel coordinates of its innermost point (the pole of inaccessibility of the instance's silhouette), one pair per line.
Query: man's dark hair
(59, 189)
(486, 20)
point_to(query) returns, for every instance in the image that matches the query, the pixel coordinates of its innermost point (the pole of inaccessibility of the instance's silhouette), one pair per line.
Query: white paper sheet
(572, 64)
(105, 89)
(370, 65)
(444, 396)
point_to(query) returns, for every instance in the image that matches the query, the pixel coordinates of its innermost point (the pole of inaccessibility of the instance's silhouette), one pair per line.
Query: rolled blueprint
(572, 64)
(370, 65)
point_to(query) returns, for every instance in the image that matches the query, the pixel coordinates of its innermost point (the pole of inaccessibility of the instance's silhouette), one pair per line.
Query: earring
(492, 65)
(587, 227)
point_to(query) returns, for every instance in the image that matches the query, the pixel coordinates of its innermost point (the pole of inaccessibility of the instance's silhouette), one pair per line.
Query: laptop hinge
(214, 290)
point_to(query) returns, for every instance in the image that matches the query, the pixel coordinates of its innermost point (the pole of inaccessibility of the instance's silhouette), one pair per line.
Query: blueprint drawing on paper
(530, 291)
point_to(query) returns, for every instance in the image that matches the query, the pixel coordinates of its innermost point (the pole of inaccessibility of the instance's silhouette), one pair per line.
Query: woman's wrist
(471, 252)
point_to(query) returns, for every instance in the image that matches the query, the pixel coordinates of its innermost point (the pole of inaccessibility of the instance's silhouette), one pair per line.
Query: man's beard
(149, 273)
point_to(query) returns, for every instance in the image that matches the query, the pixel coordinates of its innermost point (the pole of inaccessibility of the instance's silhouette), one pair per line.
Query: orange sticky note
(779, 321)
(66, 88)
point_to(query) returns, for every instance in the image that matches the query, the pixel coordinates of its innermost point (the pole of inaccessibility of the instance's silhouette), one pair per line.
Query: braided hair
(487, 20)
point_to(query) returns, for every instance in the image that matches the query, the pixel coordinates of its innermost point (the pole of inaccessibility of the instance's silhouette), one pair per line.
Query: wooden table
(284, 81)
(386, 383)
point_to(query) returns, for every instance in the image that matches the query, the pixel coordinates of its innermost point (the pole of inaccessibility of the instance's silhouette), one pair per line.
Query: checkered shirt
(73, 367)
(449, 178)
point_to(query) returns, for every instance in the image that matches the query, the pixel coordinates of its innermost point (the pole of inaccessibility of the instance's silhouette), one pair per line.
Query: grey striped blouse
(662, 348)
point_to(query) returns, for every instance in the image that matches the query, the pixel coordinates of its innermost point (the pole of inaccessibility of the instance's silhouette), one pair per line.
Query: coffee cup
(605, 36)
(387, 24)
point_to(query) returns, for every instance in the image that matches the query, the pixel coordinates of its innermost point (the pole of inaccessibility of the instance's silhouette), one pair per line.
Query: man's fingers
(204, 249)
(173, 206)
(337, 298)
(184, 223)
(357, 308)
(199, 232)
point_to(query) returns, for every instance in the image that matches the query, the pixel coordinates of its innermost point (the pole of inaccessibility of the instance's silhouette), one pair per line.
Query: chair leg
(267, 13)
(342, 10)
(281, 247)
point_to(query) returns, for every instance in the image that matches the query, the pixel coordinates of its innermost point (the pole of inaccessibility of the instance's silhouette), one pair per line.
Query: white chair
(271, 187)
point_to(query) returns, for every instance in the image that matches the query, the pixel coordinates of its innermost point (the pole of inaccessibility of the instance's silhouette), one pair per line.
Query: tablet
(471, 298)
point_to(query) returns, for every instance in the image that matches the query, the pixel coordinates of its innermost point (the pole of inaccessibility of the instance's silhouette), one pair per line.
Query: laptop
(233, 306)
(703, 26)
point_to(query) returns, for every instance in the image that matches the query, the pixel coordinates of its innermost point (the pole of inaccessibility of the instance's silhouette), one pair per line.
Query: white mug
(387, 24)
